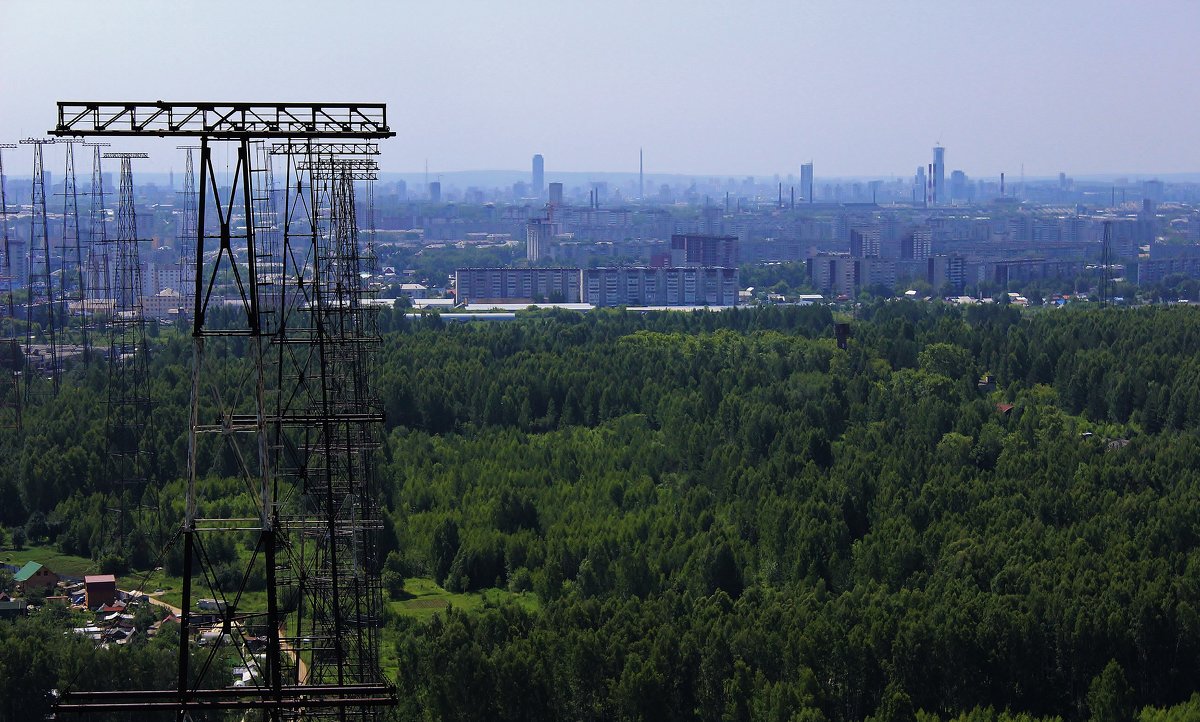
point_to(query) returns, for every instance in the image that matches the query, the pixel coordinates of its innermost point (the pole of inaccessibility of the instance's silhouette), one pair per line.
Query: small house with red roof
(99, 590)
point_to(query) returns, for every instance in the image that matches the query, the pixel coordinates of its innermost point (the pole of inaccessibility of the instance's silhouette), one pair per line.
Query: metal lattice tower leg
(128, 353)
(40, 288)
(12, 358)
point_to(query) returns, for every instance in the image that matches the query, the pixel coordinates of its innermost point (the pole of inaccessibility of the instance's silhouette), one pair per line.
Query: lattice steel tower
(40, 288)
(128, 354)
(12, 358)
(99, 283)
(185, 230)
(281, 399)
(70, 249)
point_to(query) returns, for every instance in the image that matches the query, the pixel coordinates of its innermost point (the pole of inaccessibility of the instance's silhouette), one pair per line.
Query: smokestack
(793, 198)
(1001, 184)
(780, 195)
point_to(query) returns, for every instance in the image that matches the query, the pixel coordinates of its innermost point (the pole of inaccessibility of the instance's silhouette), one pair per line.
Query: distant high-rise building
(958, 186)
(704, 251)
(539, 176)
(435, 192)
(865, 242)
(1154, 190)
(538, 234)
(939, 176)
(641, 176)
(806, 181)
(919, 186)
(556, 194)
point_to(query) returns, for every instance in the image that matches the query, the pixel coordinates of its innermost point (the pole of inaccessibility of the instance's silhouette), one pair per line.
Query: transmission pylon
(99, 278)
(185, 231)
(1105, 262)
(281, 400)
(12, 358)
(41, 358)
(74, 275)
(128, 354)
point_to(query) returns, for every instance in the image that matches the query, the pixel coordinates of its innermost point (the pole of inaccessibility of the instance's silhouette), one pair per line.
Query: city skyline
(1083, 87)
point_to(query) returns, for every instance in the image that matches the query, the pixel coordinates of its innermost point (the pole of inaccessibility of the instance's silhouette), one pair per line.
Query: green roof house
(34, 575)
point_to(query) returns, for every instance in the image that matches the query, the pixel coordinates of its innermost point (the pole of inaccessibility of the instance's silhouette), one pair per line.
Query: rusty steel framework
(128, 355)
(282, 398)
(12, 359)
(40, 290)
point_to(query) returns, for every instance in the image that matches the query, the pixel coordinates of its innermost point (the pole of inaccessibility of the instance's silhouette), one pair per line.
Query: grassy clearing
(48, 556)
(425, 599)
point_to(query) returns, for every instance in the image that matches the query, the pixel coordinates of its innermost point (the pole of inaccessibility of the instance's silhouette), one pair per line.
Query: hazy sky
(708, 88)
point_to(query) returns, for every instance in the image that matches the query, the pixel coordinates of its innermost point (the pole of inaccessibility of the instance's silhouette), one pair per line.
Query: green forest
(724, 516)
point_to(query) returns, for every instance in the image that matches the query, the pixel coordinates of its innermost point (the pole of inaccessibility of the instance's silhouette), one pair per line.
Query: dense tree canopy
(724, 516)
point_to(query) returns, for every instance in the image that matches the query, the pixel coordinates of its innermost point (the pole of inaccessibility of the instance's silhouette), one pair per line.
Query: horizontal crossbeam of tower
(224, 120)
(317, 149)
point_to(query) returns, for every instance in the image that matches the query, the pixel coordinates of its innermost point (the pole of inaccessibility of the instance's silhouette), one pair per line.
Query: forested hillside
(724, 516)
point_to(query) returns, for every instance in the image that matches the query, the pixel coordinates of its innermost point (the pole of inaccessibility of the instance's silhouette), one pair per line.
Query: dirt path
(301, 667)
(157, 602)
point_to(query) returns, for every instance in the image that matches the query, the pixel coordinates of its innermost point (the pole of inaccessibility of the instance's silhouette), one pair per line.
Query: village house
(35, 576)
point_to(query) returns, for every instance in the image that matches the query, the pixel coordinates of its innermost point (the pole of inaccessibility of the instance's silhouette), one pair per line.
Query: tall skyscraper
(556, 194)
(939, 176)
(806, 180)
(539, 176)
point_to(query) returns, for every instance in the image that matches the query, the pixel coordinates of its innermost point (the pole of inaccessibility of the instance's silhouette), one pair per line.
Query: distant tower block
(806, 181)
(939, 175)
(538, 234)
(435, 192)
(556, 194)
(539, 176)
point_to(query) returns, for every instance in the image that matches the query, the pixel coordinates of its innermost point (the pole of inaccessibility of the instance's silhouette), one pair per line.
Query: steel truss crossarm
(362, 121)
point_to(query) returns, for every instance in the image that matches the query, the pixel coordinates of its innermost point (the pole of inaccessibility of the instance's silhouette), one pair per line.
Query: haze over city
(862, 89)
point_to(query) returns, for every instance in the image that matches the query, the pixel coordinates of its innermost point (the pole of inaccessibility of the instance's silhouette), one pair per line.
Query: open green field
(48, 556)
(424, 598)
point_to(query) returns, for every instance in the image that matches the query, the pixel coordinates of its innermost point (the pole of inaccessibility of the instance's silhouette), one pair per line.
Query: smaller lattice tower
(70, 249)
(128, 355)
(185, 232)
(98, 268)
(41, 324)
(12, 359)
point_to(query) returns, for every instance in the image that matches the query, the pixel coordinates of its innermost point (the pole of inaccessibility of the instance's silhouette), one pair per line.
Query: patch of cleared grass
(51, 558)
(424, 598)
